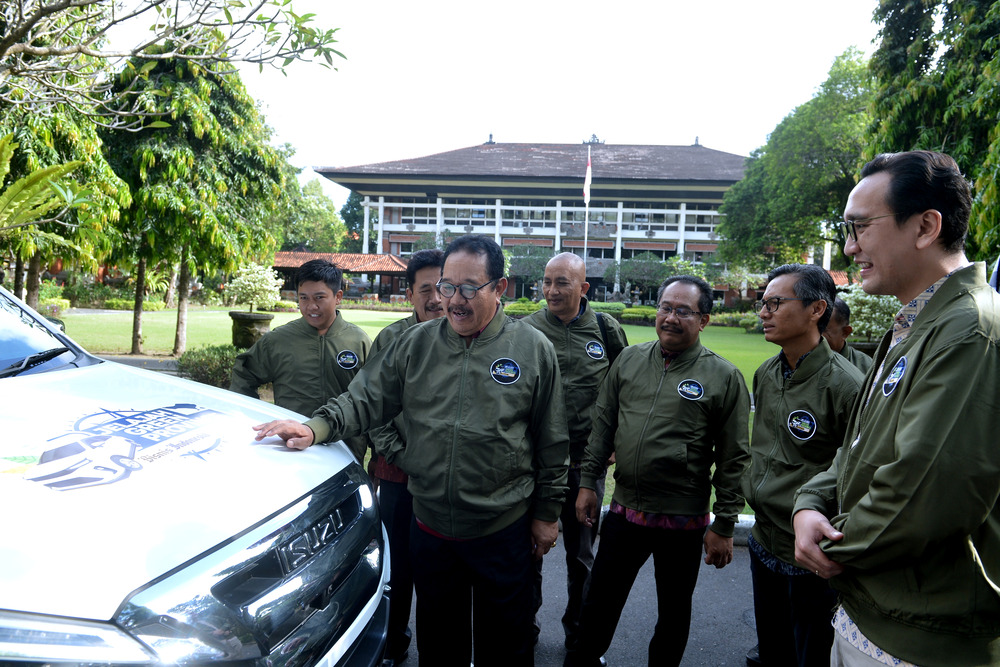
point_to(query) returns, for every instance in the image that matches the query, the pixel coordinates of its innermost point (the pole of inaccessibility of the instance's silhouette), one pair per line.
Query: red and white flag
(586, 180)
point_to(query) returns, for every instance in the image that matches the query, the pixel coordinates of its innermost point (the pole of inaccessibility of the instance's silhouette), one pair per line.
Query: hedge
(129, 304)
(52, 307)
(210, 364)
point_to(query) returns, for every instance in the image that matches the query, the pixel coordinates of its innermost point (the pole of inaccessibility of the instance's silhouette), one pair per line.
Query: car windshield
(22, 335)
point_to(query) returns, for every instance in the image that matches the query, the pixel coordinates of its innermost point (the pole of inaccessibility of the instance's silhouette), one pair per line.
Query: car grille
(281, 594)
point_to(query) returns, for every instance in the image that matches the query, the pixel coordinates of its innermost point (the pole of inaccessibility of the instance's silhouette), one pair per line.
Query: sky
(427, 77)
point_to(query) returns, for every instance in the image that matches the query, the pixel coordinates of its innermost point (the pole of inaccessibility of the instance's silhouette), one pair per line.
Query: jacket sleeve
(387, 441)
(601, 444)
(250, 371)
(373, 398)
(732, 455)
(550, 439)
(945, 477)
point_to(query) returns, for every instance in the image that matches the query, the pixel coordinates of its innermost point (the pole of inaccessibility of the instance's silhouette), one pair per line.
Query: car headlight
(30, 638)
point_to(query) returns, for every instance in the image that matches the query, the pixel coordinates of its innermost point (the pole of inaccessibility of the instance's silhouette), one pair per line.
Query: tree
(311, 221)
(795, 186)
(353, 215)
(81, 229)
(63, 52)
(255, 284)
(527, 262)
(937, 90)
(204, 187)
(642, 271)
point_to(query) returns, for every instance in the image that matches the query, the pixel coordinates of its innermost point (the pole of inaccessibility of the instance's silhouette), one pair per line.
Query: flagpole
(586, 210)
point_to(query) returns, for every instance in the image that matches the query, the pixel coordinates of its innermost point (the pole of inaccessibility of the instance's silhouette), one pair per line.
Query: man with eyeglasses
(675, 415)
(802, 399)
(586, 342)
(479, 398)
(395, 504)
(906, 521)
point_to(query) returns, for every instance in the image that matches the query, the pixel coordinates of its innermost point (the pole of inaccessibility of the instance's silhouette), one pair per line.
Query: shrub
(520, 308)
(730, 319)
(752, 324)
(281, 307)
(48, 290)
(52, 307)
(255, 285)
(129, 304)
(639, 315)
(210, 364)
(871, 314)
(613, 307)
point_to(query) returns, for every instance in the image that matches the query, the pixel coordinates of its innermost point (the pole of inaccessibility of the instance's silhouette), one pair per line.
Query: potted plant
(253, 285)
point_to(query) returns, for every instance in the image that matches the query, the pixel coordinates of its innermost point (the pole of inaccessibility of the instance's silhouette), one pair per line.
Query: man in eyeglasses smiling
(906, 522)
(479, 397)
(802, 397)
(675, 415)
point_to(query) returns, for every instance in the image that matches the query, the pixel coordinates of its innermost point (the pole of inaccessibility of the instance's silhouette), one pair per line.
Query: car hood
(111, 477)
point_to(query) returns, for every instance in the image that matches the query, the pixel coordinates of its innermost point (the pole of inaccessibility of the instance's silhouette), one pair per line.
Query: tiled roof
(352, 262)
(609, 161)
(839, 278)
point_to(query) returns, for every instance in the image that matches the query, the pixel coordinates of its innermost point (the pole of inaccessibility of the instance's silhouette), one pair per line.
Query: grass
(111, 333)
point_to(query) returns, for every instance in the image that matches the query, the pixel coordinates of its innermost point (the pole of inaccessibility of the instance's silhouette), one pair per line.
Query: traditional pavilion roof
(552, 170)
(351, 262)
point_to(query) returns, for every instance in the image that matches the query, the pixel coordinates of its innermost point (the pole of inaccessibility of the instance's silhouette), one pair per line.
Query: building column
(558, 243)
(440, 221)
(618, 241)
(499, 224)
(364, 238)
(381, 224)
(681, 230)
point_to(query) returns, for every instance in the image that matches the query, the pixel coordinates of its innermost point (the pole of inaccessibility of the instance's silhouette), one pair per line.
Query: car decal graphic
(109, 446)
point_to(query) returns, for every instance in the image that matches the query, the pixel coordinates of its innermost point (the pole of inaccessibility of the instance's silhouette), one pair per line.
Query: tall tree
(527, 262)
(796, 185)
(310, 221)
(81, 230)
(204, 186)
(644, 272)
(353, 215)
(936, 71)
(63, 52)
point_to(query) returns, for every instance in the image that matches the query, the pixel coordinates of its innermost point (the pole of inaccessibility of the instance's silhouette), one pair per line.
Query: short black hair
(923, 180)
(705, 300)
(814, 284)
(320, 271)
(842, 311)
(479, 244)
(421, 259)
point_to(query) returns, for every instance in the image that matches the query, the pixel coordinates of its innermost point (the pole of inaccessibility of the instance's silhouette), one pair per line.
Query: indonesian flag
(586, 180)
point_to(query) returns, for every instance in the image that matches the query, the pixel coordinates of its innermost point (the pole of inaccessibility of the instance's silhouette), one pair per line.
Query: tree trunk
(140, 290)
(183, 292)
(33, 281)
(168, 297)
(19, 277)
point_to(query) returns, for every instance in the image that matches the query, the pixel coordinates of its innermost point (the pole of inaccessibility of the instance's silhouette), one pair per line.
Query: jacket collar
(585, 317)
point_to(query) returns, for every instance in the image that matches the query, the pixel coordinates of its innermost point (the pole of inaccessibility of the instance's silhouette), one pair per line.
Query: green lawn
(111, 332)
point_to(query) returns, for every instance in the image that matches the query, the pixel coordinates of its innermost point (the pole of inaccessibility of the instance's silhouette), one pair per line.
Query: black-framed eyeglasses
(852, 227)
(681, 312)
(774, 303)
(468, 292)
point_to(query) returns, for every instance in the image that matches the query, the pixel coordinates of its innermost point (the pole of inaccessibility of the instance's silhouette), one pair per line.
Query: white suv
(141, 523)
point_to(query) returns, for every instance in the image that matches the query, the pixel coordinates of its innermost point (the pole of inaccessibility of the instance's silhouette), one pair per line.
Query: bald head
(564, 285)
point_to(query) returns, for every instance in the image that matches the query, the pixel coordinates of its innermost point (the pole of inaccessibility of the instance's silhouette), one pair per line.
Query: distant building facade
(659, 199)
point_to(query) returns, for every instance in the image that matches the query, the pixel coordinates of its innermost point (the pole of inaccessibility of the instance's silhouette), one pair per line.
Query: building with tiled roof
(389, 269)
(659, 199)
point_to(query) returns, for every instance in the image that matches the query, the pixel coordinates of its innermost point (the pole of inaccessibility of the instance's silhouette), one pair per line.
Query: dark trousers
(396, 507)
(793, 616)
(624, 549)
(474, 592)
(579, 543)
